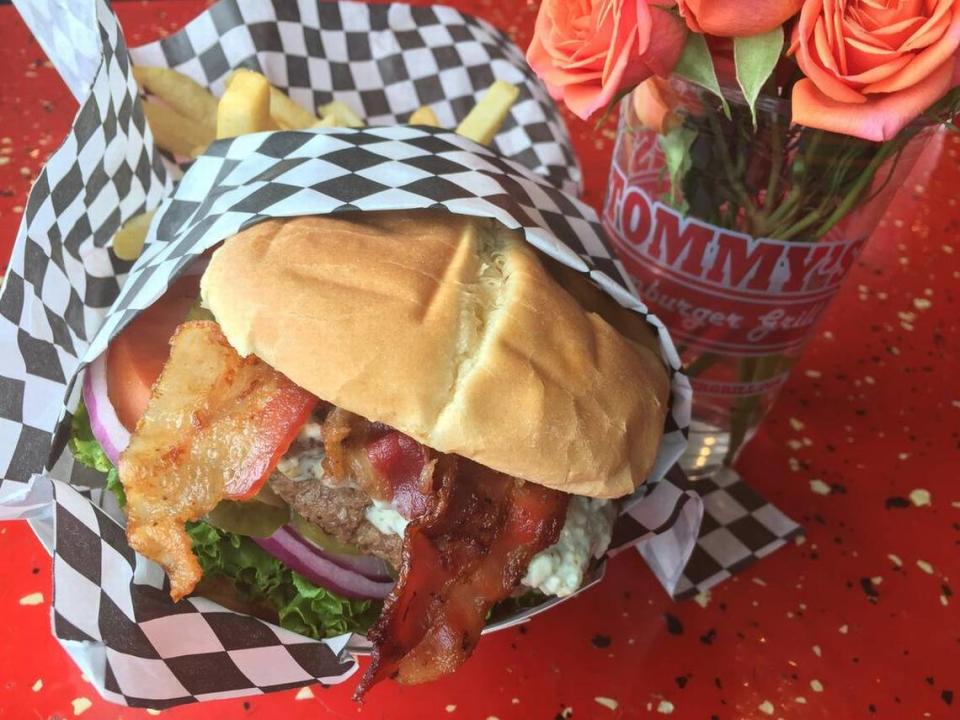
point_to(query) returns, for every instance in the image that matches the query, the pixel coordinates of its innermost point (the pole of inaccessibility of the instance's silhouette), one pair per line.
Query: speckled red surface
(859, 621)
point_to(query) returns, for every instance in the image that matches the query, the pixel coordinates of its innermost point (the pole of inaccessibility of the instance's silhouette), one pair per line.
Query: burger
(393, 423)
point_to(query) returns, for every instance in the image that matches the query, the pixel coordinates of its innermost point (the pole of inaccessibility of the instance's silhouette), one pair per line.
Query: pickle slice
(319, 538)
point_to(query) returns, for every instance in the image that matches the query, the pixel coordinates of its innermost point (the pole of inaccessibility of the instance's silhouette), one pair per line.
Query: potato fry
(483, 122)
(288, 114)
(342, 114)
(328, 121)
(174, 132)
(128, 242)
(245, 106)
(181, 93)
(424, 115)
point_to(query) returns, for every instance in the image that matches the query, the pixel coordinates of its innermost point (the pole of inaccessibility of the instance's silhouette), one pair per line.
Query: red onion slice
(370, 566)
(106, 426)
(304, 559)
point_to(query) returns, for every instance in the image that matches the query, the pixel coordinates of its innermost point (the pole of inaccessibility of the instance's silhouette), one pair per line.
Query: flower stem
(853, 195)
(704, 362)
(735, 184)
(776, 162)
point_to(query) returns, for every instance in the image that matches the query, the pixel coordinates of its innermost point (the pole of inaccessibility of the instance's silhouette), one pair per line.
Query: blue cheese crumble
(559, 569)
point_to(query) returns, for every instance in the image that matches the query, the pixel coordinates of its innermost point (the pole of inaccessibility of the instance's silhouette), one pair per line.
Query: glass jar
(738, 235)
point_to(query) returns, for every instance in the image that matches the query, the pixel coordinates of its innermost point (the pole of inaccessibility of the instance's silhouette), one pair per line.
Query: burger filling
(348, 508)
(221, 431)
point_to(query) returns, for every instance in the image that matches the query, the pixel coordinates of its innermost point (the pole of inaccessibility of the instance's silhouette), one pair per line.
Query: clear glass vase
(738, 235)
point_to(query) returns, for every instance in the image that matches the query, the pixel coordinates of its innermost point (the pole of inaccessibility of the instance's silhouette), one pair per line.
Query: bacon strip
(469, 551)
(215, 426)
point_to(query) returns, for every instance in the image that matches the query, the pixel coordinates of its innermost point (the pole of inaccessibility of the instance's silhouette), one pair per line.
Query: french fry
(179, 92)
(174, 132)
(128, 242)
(328, 121)
(288, 114)
(424, 115)
(245, 106)
(483, 122)
(342, 114)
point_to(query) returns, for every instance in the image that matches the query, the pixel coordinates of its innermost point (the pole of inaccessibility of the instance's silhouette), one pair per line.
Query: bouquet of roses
(772, 119)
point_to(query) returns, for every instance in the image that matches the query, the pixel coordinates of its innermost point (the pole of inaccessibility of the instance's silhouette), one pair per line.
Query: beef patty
(339, 512)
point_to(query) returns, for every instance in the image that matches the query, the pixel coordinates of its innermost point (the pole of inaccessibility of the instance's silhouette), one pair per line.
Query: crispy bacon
(467, 552)
(406, 472)
(215, 426)
(473, 534)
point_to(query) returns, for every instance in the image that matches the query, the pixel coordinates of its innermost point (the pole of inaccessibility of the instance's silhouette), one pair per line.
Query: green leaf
(676, 146)
(696, 65)
(84, 445)
(87, 451)
(259, 577)
(756, 57)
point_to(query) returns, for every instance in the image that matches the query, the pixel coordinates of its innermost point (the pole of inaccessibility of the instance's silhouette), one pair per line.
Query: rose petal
(653, 104)
(667, 36)
(877, 15)
(864, 57)
(628, 25)
(804, 28)
(893, 36)
(879, 72)
(729, 18)
(923, 63)
(824, 79)
(932, 28)
(880, 118)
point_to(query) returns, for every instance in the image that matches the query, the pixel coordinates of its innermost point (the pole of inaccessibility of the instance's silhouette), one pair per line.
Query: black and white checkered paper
(66, 295)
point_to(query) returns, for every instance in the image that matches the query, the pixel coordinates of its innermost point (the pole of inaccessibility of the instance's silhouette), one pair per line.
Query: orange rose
(736, 18)
(654, 103)
(589, 50)
(872, 67)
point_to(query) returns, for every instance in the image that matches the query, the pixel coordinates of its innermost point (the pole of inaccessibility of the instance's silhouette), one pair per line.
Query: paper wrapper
(66, 295)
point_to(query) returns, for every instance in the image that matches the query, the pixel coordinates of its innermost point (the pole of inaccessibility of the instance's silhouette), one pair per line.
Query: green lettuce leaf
(87, 451)
(258, 576)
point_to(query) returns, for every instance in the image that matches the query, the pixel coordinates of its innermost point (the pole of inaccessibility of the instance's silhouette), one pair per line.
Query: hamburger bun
(452, 330)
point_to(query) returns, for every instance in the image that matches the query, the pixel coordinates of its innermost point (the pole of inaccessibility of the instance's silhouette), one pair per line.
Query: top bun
(450, 329)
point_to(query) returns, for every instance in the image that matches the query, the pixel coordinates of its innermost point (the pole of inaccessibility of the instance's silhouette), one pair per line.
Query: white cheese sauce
(559, 569)
(385, 518)
(306, 464)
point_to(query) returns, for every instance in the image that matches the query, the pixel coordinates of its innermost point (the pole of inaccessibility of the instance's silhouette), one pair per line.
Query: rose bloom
(736, 18)
(872, 67)
(587, 51)
(655, 104)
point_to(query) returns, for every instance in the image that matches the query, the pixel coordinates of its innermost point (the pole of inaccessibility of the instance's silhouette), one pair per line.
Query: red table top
(857, 621)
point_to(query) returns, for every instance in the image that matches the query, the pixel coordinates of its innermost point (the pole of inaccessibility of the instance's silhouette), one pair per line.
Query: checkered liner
(66, 294)
(384, 61)
(739, 527)
(68, 33)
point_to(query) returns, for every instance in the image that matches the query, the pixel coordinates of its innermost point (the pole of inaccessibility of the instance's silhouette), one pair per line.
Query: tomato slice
(137, 355)
(277, 426)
